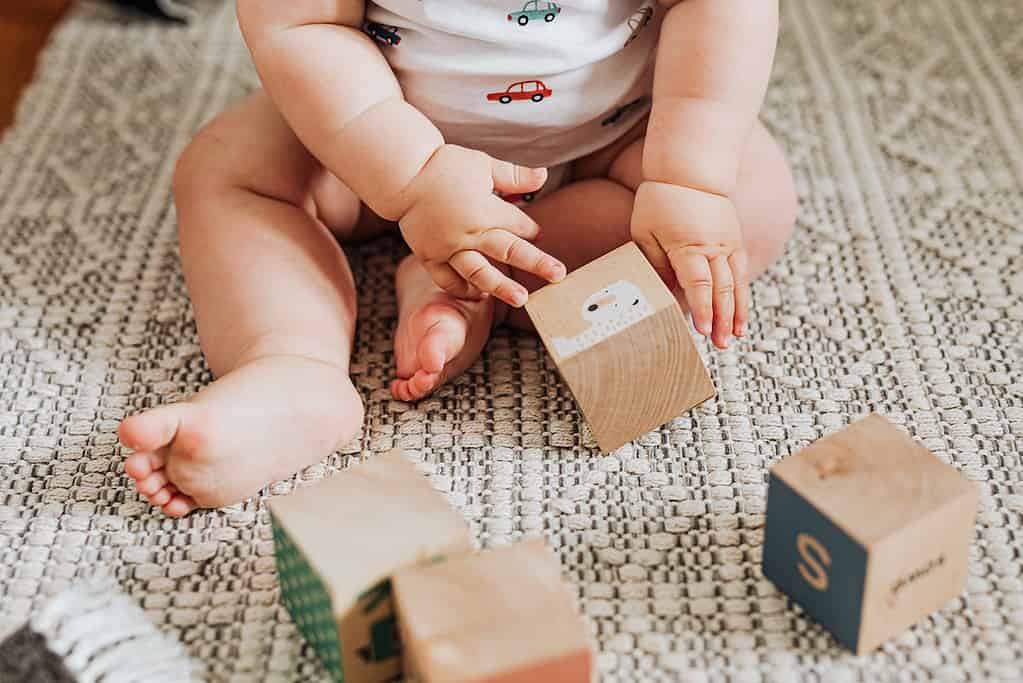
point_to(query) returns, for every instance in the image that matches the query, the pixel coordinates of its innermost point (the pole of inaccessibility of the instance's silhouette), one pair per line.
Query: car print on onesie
(626, 109)
(638, 21)
(382, 33)
(535, 9)
(523, 90)
(519, 197)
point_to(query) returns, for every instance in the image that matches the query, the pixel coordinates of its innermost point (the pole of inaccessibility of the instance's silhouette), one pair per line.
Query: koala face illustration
(619, 301)
(607, 311)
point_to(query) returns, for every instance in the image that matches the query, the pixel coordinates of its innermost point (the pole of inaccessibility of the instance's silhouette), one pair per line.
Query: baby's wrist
(667, 208)
(387, 146)
(447, 173)
(685, 187)
(696, 143)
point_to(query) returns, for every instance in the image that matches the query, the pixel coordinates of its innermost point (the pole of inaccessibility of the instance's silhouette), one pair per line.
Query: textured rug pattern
(902, 293)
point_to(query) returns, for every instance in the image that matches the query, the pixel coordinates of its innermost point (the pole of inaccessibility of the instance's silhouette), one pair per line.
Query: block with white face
(622, 344)
(609, 311)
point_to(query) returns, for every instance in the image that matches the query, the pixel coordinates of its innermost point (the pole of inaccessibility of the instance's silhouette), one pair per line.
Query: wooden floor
(24, 27)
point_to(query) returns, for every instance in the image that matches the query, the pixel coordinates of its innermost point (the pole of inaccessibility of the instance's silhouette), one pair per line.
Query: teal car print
(536, 9)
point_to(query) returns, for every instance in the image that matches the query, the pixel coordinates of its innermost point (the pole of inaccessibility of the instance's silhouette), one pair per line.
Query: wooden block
(868, 531)
(622, 344)
(500, 616)
(339, 542)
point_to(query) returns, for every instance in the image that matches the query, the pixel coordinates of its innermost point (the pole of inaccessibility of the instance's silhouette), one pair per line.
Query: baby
(508, 144)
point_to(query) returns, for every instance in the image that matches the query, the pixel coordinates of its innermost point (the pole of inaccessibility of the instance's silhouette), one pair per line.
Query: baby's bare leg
(274, 303)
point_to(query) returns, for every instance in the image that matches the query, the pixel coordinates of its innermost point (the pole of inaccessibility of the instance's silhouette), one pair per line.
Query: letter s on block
(815, 555)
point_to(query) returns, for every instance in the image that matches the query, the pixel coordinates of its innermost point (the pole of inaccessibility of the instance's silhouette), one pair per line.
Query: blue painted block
(868, 532)
(816, 563)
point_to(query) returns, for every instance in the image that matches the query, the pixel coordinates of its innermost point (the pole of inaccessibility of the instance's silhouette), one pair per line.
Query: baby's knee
(765, 241)
(200, 167)
(780, 209)
(768, 219)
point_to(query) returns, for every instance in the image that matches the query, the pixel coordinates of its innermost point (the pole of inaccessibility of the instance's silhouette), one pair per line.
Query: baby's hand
(456, 224)
(696, 235)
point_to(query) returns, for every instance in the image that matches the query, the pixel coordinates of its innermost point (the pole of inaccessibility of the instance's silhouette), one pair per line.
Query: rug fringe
(101, 634)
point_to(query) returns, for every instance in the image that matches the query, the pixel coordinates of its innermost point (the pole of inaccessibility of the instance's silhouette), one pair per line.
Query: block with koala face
(622, 345)
(868, 531)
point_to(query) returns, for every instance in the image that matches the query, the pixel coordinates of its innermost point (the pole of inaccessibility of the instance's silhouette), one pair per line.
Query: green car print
(535, 9)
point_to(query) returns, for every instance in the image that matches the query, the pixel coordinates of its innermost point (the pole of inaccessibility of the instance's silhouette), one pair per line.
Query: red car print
(519, 197)
(523, 90)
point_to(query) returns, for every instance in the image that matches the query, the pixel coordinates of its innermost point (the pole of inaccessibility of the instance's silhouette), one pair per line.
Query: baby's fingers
(724, 301)
(694, 276)
(655, 255)
(445, 277)
(507, 216)
(505, 247)
(509, 177)
(742, 297)
(484, 275)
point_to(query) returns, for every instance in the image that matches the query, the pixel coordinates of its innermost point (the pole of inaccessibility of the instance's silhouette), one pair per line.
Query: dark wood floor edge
(25, 31)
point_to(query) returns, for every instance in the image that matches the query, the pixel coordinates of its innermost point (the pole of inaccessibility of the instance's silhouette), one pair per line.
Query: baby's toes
(153, 429)
(400, 390)
(138, 466)
(416, 387)
(163, 496)
(148, 486)
(423, 383)
(179, 505)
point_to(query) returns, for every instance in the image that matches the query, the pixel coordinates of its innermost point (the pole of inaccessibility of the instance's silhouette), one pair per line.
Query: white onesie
(534, 82)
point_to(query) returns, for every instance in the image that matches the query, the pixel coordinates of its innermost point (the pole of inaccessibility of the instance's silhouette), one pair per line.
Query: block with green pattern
(384, 642)
(340, 541)
(307, 600)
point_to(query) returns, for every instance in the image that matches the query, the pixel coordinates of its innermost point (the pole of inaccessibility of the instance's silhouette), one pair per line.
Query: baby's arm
(713, 65)
(341, 98)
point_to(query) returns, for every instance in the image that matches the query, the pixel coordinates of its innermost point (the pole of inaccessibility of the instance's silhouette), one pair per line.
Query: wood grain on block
(339, 542)
(868, 531)
(622, 344)
(502, 615)
(917, 569)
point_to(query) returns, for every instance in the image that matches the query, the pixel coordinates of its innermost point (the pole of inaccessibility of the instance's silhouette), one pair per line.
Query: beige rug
(902, 293)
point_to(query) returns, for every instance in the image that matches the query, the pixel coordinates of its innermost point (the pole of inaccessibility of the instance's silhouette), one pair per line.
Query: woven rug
(902, 292)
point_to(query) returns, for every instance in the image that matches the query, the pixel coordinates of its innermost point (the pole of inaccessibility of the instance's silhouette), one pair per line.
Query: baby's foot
(438, 336)
(261, 422)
